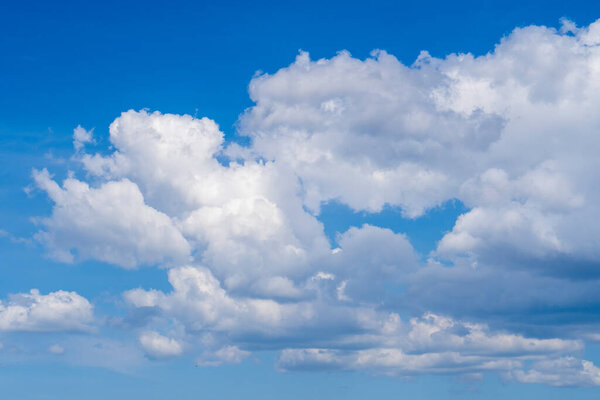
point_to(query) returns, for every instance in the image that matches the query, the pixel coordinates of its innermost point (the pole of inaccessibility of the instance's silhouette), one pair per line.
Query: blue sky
(306, 200)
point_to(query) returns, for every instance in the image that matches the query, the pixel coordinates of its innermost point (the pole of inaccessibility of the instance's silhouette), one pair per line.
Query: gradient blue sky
(70, 63)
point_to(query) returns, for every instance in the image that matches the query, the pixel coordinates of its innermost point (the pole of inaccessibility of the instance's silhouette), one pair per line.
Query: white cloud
(433, 344)
(371, 258)
(109, 223)
(157, 346)
(81, 137)
(237, 215)
(385, 142)
(511, 134)
(386, 344)
(169, 156)
(535, 189)
(567, 371)
(56, 311)
(202, 305)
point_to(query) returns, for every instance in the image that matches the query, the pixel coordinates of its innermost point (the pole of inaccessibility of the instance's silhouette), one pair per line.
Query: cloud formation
(512, 134)
(157, 346)
(434, 344)
(55, 311)
(110, 223)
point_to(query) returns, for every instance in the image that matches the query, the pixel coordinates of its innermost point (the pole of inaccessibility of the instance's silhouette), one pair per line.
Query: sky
(325, 200)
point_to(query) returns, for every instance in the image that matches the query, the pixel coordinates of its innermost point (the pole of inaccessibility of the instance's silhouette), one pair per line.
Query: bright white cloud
(157, 346)
(365, 132)
(170, 157)
(56, 311)
(109, 223)
(202, 305)
(511, 134)
(244, 220)
(81, 137)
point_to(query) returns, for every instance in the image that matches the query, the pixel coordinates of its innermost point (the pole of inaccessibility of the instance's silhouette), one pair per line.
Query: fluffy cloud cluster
(231, 215)
(512, 134)
(35, 312)
(109, 223)
(429, 344)
(367, 133)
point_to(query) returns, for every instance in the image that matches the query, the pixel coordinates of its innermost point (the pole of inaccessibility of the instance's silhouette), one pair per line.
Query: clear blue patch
(423, 232)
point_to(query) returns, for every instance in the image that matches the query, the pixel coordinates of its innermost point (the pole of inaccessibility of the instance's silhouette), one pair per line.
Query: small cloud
(568, 26)
(159, 347)
(323, 276)
(81, 137)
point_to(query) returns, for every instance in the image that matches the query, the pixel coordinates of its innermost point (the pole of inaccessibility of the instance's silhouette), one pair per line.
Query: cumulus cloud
(56, 311)
(536, 186)
(157, 346)
(366, 132)
(169, 156)
(231, 215)
(511, 134)
(109, 223)
(199, 302)
(81, 137)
